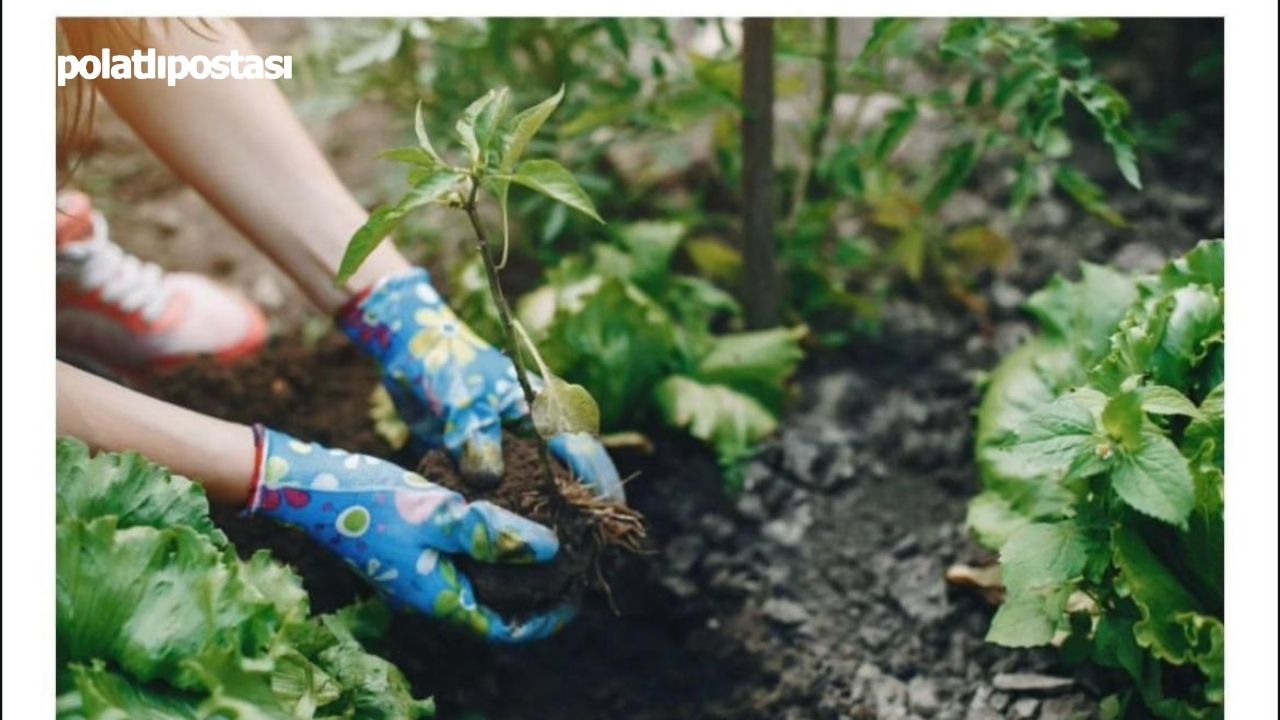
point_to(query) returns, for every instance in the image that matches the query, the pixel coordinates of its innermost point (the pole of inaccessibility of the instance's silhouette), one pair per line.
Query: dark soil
(518, 589)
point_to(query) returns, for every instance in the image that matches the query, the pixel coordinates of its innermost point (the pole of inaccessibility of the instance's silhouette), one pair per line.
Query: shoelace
(123, 280)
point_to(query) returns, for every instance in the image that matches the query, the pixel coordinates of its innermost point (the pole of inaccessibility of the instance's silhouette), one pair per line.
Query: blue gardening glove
(399, 529)
(449, 386)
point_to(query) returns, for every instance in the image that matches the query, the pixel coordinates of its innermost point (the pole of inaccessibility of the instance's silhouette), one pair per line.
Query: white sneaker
(123, 315)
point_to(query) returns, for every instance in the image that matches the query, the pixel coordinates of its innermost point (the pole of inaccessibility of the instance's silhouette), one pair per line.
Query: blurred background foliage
(886, 131)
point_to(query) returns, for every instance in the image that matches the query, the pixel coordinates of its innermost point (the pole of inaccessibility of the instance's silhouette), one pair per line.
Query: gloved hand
(451, 387)
(398, 529)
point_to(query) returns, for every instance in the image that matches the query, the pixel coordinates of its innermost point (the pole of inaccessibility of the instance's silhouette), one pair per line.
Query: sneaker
(119, 314)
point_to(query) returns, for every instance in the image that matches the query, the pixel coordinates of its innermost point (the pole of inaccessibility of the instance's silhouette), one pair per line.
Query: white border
(1251, 192)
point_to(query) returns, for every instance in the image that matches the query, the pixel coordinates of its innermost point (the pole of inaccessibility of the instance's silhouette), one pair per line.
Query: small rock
(785, 612)
(683, 552)
(922, 696)
(1139, 257)
(1032, 683)
(800, 454)
(1068, 707)
(875, 636)
(752, 508)
(908, 545)
(790, 529)
(978, 707)
(1024, 709)
(919, 588)
(681, 587)
(1006, 295)
(717, 527)
(890, 695)
(998, 701)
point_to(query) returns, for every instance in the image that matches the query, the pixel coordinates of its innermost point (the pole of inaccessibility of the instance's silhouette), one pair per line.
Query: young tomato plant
(495, 146)
(1100, 446)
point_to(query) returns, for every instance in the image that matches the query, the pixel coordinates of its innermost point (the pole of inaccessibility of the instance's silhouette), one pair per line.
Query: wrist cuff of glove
(371, 333)
(259, 468)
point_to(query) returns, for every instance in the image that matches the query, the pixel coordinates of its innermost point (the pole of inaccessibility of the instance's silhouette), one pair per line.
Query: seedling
(495, 145)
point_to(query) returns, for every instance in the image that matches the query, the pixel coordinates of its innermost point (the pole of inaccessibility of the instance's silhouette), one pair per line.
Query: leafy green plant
(635, 91)
(615, 322)
(639, 336)
(157, 617)
(495, 145)
(999, 91)
(1100, 446)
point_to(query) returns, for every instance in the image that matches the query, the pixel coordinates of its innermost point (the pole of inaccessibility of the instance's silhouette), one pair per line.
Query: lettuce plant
(158, 618)
(638, 335)
(1100, 446)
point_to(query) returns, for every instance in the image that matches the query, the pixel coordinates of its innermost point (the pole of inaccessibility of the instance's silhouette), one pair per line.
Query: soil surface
(818, 591)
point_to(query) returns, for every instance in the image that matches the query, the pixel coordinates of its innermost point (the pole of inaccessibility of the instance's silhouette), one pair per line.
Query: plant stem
(508, 333)
(805, 186)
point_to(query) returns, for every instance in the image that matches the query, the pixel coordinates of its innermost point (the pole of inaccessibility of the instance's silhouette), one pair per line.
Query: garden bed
(819, 591)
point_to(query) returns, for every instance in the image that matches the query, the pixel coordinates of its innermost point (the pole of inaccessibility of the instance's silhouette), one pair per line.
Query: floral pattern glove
(399, 529)
(451, 387)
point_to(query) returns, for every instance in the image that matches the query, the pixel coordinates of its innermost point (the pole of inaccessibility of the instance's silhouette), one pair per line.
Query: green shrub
(1100, 446)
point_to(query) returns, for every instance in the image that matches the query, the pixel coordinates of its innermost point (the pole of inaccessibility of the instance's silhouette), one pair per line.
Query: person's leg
(239, 144)
(119, 315)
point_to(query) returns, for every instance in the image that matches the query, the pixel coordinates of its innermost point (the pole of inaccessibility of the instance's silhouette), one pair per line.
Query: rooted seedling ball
(584, 525)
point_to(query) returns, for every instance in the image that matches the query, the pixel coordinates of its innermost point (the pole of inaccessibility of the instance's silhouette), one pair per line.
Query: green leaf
(1029, 620)
(149, 599)
(137, 492)
(1209, 426)
(1155, 479)
(108, 695)
(1058, 439)
(1203, 265)
(433, 187)
(478, 124)
(1088, 194)
(523, 126)
(757, 363)
(420, 129)
(1210, 634)
(613, 339)
(897, 124)
(650, 245)
(883, 33)
(551, 179)
(1085, 313)
(411, 155)
(1024, 380)
(1164, 400)
(563, 407)
(957, 165)
(560, 407)
(1123, 419)
(1161, 599)
(714, 259)
(992, 519)
(373, 689)
(732, 422)
(1043, 555)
